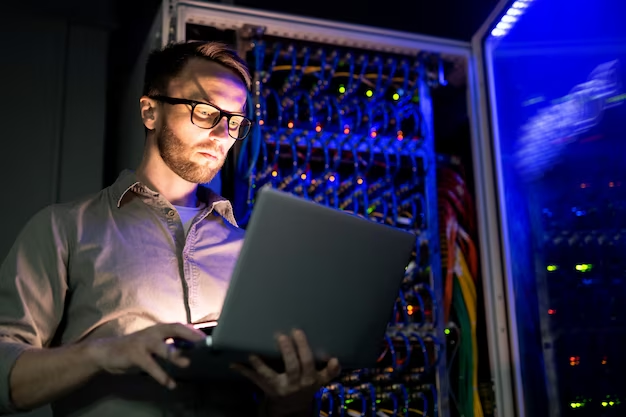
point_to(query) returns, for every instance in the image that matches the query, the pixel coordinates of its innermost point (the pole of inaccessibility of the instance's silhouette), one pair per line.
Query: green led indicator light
(369, 93)
(447, 331)
(552, 268)
(396, 96)
(584, 267)
(342, 89)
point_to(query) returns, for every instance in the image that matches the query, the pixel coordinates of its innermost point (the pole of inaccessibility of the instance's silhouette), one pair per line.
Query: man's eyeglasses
(207, 116)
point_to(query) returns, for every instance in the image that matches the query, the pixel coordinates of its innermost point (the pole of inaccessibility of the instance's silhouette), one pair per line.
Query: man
(92, 290)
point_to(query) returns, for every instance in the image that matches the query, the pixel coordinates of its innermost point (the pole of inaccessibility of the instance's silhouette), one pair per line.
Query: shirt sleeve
(33, 286)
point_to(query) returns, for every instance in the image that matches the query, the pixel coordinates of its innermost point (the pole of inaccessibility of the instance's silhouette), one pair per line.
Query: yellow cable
(470, 304)
(309, 69)
(298, 68)
(413, 410)
(469, 295)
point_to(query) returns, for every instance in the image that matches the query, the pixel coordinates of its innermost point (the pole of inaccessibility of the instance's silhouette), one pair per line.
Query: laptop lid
(330, 273)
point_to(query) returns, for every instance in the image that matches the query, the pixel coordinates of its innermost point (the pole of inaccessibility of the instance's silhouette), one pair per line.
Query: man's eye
(205, 112)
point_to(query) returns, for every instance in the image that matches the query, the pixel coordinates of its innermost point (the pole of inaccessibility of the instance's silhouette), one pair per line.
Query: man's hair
(167, 63)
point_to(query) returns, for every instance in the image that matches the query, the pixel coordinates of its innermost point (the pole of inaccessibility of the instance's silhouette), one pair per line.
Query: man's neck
(157, 176)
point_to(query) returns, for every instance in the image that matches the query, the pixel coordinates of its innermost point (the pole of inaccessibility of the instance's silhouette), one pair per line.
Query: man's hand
(292, 391)
(122, 354)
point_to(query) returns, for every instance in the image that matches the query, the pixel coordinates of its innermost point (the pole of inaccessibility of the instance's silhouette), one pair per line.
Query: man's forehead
(204, 80)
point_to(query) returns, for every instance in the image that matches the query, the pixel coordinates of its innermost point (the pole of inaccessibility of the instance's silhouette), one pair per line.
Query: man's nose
(220, 131)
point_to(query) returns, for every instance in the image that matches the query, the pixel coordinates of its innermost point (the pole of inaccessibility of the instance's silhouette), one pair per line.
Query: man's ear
(149, 112)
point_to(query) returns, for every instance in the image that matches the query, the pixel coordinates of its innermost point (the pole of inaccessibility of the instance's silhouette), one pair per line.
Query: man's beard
(177, 156)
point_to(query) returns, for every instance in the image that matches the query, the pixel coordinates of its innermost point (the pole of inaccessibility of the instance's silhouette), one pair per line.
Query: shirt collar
(127, 181)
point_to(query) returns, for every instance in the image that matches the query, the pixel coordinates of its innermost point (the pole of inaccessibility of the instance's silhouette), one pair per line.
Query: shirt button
(185, 256)
(171, 213)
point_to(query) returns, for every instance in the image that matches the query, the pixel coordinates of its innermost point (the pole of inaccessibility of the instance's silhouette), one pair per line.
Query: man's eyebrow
(197, 96)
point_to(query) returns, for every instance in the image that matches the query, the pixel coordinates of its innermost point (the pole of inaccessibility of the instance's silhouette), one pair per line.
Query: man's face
(193, 153)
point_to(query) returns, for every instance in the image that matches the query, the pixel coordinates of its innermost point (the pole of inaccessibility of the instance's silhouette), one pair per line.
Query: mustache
(210, 146)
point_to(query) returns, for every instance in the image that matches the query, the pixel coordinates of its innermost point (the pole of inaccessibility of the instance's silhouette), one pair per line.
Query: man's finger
(178, 330)
(330, 372)
(307, 363)
(153, 369)
(158, 348)
(176, 357)
(290, 358)
(267, 373)
(251, 375)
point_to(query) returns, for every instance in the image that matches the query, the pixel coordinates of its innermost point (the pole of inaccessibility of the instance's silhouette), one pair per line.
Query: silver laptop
(305, 266)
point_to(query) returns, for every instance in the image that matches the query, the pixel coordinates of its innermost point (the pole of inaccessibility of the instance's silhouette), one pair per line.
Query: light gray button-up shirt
(109, 265)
